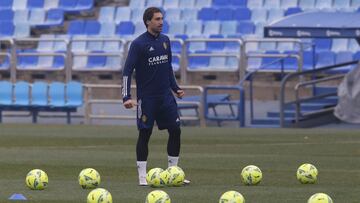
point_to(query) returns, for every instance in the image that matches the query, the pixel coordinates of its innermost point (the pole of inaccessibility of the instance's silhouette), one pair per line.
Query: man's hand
(129, 104)
(180, 94)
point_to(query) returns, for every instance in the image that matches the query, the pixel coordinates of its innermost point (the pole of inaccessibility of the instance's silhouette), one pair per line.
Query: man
(150, 55)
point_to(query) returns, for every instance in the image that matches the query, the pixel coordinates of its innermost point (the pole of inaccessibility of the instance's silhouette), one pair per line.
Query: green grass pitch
(211, 157)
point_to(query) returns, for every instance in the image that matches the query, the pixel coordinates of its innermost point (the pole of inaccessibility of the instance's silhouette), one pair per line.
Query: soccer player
(150, 55)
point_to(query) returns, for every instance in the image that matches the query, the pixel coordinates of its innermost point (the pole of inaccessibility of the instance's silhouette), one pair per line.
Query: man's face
(156, 23)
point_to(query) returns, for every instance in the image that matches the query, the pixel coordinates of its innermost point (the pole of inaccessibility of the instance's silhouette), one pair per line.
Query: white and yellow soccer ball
(37, 179)
(158, 196)
(165, 178)
(307, 173)
(153, 177)
(320, 198)
(89, 178)
(99, 195)
(177, 176)
(231, 197)
(251, 175)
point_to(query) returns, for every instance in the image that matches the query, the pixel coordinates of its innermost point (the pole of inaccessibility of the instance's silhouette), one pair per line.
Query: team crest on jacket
(165, 45)
(144, 118)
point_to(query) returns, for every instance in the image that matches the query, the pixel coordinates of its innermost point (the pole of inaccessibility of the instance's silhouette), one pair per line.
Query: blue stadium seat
(203, 3)
(5, 93)
(5, 63)
(74, 94)
(68, 5)
(137, 4)
(45, 62)
(49, 4)
(136, 15)
(207, 14)
(339, 44)
(21, 16)
(78, 45)
(271, 63)
(211, 28)
(338, 4)
(322, 44)
(291, 63)
(306, 4)
(275, 14)
(21, 93)
(357, 56)
(54, 17)
(122, 14)
(154, 3)
(308, 60)
(215, 46)
(232, 46)
(19, 4)
(177, 28)
(223, 14)
(60, 45)
(197, 46)
(198, 62)
(6, 15)
(175, 46)
(242, 14)
(37, 16)
(186, 3)
(353, 45)
(189, 14)
(325, 58)
(292, 10)
(228, 27)
(245, 28)
(193, 28)
(113, 62)
(59, 61)
(323, 4)
(35, 4)
(57, 94)
(175, 63)
(259, 15)
(231, 63)
(255, 4)
(253, 63)
(270, 4)
(39, 95)
(107, 29)
(172, 14)
(139, 28)
(171, 4)
(239, 3)
(343, 57)
(96, 61)
(259, 29)
(6, 29)
(288, 4)
(5, 4)
(27, 62)
(83, 5)
(92, 27)
(165, 28)
(107, 14)
(76, 27)
(221, 3)
(22, 30)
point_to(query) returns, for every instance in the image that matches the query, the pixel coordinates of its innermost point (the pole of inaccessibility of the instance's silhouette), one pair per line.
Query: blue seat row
(40, 96)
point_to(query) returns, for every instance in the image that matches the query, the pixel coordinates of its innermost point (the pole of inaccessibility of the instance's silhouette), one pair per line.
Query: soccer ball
(177, 176)
(158, 196)
(232, 197)
(307, 173)
(99, 195)
(37, 179)
(165, 177)
(89, 178)
(320, 198)
(153, 177)
(251, 175)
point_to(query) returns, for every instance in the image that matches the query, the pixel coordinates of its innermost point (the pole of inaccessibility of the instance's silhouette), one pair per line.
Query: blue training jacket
(150, 56)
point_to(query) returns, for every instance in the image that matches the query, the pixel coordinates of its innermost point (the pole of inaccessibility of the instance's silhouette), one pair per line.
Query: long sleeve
(131, 62)
(172, 79)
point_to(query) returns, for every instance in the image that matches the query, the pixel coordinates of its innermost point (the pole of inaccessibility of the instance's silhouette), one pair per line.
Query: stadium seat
(221, 3)
(137, 4)
(217, 62)
(136, 15)
(215, 46)
(49, 4)
(308, 60)
(106, 14)
(245, 28)
(57, 94)
(259, 29)
(291, 63)
(343, 57)
(338, 4)
(19, 4)
(175, 63)
(203, 3)
(323, 4)
(6, 29)
(325, 58)
(5, 93)
(154, 3)
(189, 14)
(21, 16)
(353, 45)
(275, 14)
(255, 4)
(113, 62)
(207, 14)
(107, 29)
(211, 28)
(60, 45)
(271, 63)
(193, 28)
(59, 61)
(35, 4)
(165, 28)
(271, 4)
(306, 4)
(172, 14)
(357, 56)
(21, 93)
(96, 45)
(228, 28)
(83, 5)
(322, 44)
(238, 3)
(22, 30)
(122, 14)
(171, 4)
(125, 28)
(266, 46)
(96, 61)
(54, 17)
(45, 62)
(176, 28)
(75, 5)
(242, 14)
(232, 46)
(283, 46)
(259, 15)
(4, 63)
(253, 63)
(198, 62)
(292, 10)
(78, 45)
(339, 44)
(37, 16)
(196, 46)
(45, 45)
(186, 4)
(92, 27)
(288, 4)
(74, 94)
(223, 14)
(6, 4)
(139, 28)
(6, 15)
(76, 27)
(39, 95)
(27, 62)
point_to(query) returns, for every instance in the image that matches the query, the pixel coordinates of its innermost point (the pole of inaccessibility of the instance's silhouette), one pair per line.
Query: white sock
(173, 160)
(141, 167)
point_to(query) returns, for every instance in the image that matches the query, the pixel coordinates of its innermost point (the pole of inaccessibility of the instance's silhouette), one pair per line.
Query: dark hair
(149, 14)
